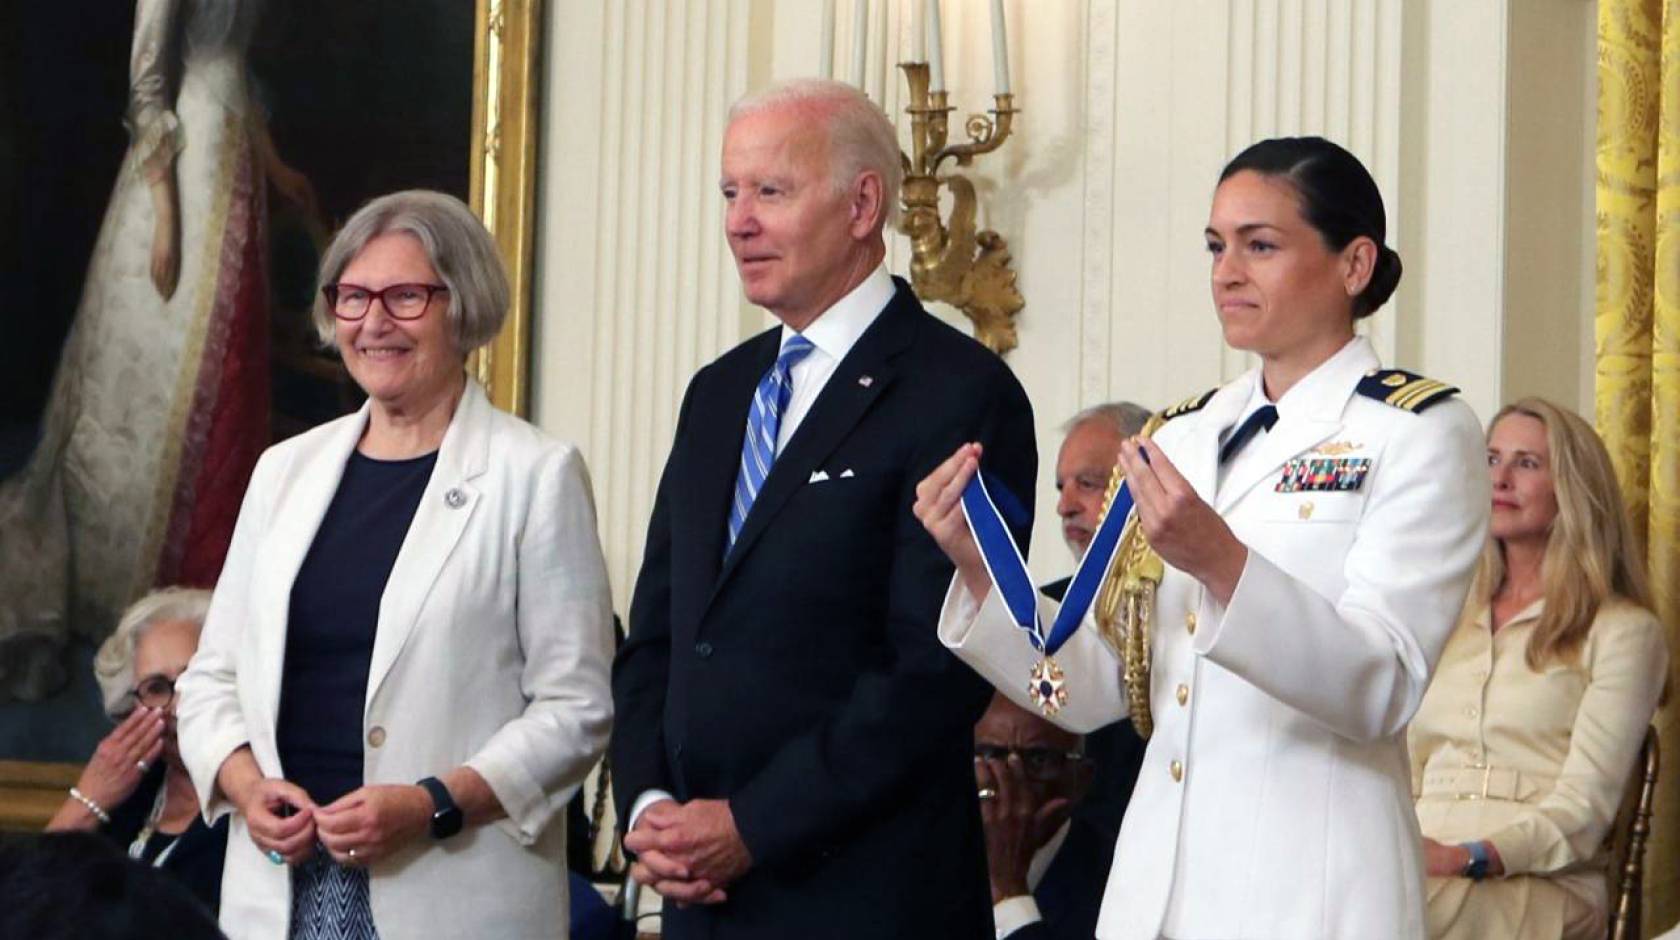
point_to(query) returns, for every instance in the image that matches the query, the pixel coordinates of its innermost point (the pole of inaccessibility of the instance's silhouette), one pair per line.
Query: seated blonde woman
(1523, 744)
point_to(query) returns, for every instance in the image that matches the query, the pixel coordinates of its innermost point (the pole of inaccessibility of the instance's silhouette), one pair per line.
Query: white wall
(1475, 119)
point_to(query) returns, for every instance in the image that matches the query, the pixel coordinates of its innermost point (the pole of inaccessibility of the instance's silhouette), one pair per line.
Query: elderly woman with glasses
(134, 789)
(404, 670)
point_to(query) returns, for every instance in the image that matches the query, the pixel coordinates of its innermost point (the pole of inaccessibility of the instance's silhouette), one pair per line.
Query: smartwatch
(446, 816)
(1477, 868)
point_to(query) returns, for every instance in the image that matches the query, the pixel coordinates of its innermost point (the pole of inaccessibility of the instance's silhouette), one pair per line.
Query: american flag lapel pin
(866, 380)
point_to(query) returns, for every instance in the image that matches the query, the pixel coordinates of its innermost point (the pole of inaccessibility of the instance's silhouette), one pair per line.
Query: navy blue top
(334, 615)
(196, 861)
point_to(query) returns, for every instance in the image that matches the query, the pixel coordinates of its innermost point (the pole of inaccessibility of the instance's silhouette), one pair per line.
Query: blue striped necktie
(764, 422)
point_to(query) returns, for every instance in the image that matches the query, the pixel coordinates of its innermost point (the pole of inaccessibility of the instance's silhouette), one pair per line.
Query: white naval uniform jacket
(1274, 799)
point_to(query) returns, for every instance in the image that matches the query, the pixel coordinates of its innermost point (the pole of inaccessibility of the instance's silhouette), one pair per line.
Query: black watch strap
(446, 815)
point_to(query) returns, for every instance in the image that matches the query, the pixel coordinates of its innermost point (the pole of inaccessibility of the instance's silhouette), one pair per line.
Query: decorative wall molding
(637, 288)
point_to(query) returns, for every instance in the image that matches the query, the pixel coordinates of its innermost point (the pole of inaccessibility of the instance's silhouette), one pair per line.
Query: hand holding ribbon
(1181, 527)
(939, 508)
(981, 541)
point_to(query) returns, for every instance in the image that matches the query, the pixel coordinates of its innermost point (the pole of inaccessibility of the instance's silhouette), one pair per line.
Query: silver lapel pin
(866, 380)
(455, 499)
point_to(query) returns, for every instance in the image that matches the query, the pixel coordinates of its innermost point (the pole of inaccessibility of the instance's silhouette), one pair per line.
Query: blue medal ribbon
(1008, 569)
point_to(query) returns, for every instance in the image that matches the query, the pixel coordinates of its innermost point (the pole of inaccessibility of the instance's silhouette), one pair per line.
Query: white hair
(1126, 418)
(861, 139)
(113, 666)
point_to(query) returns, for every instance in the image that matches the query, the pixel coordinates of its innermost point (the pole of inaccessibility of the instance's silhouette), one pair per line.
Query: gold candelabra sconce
(952, 260)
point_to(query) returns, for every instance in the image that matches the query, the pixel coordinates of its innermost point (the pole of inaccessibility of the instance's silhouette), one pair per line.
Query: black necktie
(1261, 420)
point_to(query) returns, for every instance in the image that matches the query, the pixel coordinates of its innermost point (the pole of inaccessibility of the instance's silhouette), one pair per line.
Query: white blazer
(1274, 799)
(493, 647)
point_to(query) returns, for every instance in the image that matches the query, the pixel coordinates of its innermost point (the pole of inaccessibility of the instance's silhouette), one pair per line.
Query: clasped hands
(688, 852)
(1181, 527)
(361, 827)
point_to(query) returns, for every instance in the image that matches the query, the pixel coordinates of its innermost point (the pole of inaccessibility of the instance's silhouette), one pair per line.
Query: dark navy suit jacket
(802, 678)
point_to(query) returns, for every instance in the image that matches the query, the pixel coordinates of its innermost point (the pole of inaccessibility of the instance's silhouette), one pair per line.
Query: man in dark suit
(791, 747)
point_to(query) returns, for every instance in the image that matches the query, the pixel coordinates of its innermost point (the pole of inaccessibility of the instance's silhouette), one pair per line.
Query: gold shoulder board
(1404, 390)
(1188, 405)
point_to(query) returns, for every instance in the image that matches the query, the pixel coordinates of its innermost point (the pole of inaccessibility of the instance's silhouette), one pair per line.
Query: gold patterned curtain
(1638, 333)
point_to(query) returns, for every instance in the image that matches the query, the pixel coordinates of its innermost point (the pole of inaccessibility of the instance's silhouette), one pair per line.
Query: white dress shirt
(834, 332)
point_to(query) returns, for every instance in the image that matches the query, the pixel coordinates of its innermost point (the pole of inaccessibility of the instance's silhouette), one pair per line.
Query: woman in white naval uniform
(1311, 579)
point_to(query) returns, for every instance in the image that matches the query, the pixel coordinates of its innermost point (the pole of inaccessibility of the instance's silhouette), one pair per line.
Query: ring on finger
(142, 765)
(986, 793)
(274, 856)
(352, 854)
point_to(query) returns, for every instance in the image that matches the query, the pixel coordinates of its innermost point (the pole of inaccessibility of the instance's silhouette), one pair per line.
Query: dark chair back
(1627, 840)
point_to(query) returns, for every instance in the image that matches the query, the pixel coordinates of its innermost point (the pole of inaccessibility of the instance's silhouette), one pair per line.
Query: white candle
(1000, 50)
(935, 56)
(918, 34)
(860, 36)
(827, 52)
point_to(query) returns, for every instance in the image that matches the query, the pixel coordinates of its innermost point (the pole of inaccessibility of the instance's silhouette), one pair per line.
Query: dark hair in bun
(1338, 198)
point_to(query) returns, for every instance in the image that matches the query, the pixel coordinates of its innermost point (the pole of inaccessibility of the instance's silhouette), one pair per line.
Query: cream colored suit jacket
(493, 647)
(1274, 799)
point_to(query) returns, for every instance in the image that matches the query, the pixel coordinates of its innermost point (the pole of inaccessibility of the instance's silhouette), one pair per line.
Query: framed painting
(170, 173)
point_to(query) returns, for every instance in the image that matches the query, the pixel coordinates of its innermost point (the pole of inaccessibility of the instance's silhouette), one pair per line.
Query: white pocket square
(818, 476)
(847, 473)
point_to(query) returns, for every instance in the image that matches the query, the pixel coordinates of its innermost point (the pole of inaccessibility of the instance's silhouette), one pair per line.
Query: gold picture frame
(506, 79)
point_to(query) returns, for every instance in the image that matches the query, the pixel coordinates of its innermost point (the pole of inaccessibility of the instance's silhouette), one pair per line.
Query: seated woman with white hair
(404, 671)
(135, 790)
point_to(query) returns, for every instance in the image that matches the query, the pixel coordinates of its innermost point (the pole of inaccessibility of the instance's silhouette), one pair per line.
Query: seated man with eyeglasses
(1047, 864)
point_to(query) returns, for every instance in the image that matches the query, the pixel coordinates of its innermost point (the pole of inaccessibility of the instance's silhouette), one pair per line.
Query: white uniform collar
(836, 330)
(1323, 392)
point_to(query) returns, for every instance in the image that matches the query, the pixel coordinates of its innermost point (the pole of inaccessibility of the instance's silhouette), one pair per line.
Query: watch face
(446, 822)
(446, 818)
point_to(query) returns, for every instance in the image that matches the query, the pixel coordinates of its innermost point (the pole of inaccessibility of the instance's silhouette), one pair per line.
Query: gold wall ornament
(952, 261)
(1126, 603)
(506, 73)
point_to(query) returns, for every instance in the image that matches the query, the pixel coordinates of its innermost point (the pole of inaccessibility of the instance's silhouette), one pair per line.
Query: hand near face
(373, 821)
(281, 818)
(115, 768)
(1016, 823)
(1183, 529)
(688, 852)
(939, 508)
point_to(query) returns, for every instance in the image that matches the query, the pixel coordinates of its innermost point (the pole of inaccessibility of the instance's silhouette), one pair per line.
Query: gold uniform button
(1183, 693)
(376, 736)
(1306, 510)
(1190, 622)
(1177, 771)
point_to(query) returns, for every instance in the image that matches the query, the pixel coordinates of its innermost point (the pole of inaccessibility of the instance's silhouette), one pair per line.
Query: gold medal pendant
(1046, 688)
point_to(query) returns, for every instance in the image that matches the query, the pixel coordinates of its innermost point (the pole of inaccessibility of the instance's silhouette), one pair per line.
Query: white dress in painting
(159, 406)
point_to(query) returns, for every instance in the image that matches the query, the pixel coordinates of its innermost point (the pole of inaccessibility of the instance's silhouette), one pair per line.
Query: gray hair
(113, 666)
(861, 139)
(457, 245)
(1126, 418)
